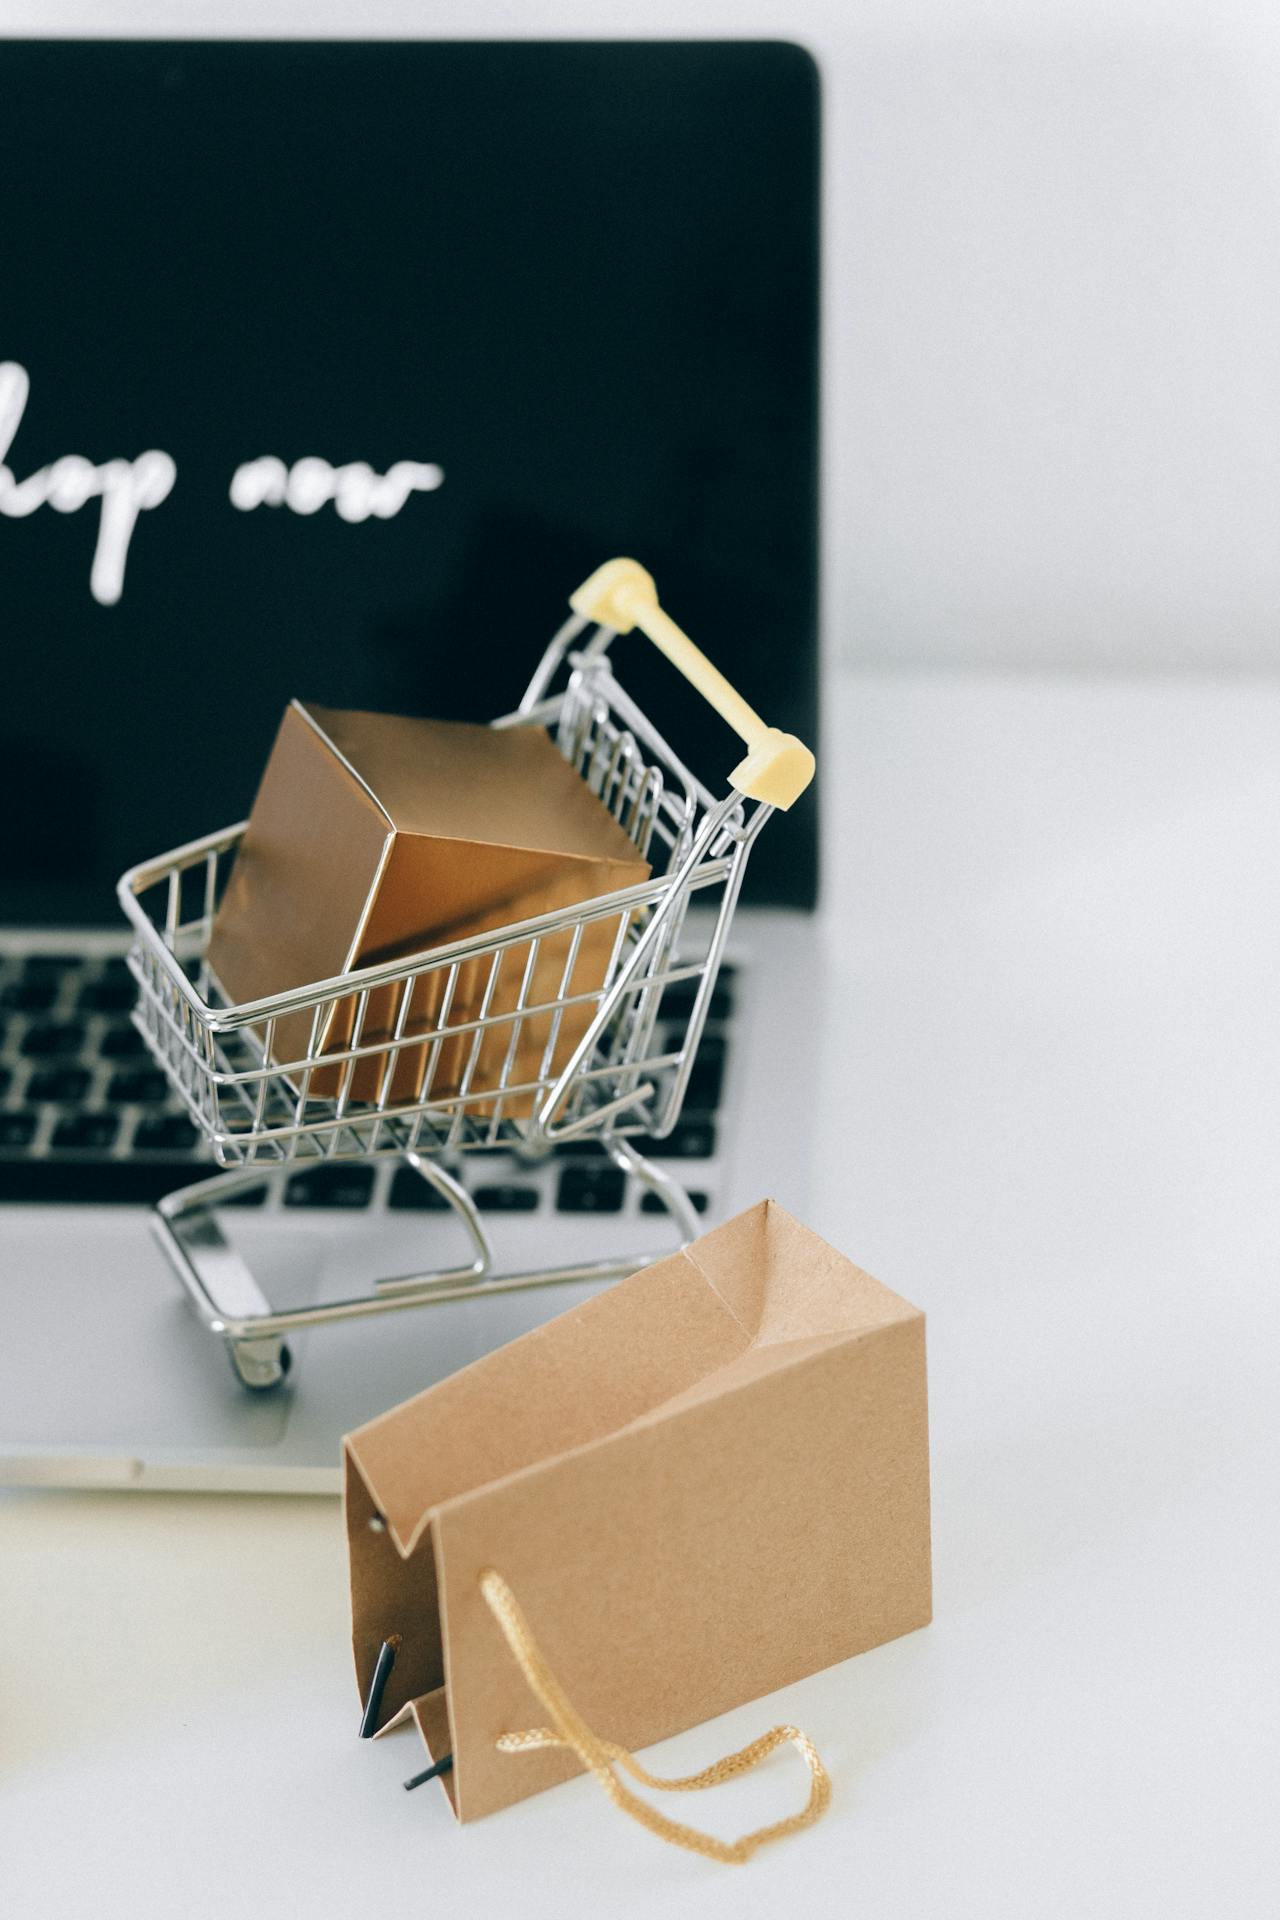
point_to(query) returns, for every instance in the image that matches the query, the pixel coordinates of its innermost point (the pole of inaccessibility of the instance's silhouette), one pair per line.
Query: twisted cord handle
(600, 1757)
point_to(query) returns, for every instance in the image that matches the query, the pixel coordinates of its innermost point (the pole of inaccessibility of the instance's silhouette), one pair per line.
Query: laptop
(329, 371)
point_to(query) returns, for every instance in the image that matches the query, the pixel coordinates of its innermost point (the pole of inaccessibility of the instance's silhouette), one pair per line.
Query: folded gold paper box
(701, 1485)
(375, 836)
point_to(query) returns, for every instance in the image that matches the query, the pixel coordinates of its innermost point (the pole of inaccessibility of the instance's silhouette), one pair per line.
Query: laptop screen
(330, 370)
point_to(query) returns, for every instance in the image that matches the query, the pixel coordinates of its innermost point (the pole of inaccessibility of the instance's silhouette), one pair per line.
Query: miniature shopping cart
(624, 1079)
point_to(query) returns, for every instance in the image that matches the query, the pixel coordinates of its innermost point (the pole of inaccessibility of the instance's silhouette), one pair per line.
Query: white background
(1053, 287)
(1049, 1111)
(1049, 1101)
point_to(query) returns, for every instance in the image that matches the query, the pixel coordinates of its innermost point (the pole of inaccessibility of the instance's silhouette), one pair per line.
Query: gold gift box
(375, 836)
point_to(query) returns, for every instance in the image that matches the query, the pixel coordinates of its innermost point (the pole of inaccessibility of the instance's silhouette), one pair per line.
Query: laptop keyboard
(85, 1116)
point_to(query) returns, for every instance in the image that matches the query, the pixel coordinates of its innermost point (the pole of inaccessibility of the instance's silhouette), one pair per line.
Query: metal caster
(259, 1365)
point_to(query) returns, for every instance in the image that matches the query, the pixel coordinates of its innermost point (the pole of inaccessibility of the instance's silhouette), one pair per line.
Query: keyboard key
(144, 1088)
(591, 1190)
(652, 1202)
(107, 996)
(51, 966)
(29, 996)
(52, 1041)
(409, 1189)
(65, 1085)
(690, 1140)
(121, 1043)
(337, 1185)
(706, 1078)
(678, 999)
(92, 1182)
(506, 1199)
(86, 1132)
(169, 1133)
(16, 1129)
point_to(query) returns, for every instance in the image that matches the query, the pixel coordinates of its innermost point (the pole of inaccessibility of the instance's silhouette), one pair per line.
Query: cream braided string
(569, 1729)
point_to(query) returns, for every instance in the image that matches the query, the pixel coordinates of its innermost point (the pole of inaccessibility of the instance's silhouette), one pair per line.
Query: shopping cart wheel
(259, 1364)
(219, 1285)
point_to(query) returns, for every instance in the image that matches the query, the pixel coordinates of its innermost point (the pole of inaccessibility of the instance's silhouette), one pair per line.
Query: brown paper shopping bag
(701, 1485)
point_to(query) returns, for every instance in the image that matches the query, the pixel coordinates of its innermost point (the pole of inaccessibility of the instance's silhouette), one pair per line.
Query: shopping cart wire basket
(625, 1078)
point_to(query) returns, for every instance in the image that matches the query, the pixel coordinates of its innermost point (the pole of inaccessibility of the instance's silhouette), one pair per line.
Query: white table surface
(1050, 1102)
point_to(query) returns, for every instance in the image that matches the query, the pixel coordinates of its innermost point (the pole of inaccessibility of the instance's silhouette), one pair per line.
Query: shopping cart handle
(621, 595)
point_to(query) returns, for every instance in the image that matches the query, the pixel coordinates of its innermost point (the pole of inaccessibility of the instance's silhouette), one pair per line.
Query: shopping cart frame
(258, 1113)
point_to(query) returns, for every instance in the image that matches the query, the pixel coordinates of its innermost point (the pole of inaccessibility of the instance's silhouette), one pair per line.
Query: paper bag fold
(703, 1484)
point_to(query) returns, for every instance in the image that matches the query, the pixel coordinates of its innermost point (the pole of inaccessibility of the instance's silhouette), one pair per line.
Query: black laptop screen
(330, 370)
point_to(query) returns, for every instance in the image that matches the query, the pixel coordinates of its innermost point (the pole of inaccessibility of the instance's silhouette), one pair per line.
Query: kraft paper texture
(702, 1484)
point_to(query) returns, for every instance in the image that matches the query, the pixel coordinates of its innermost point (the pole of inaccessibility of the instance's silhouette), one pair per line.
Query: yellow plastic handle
(621, 595)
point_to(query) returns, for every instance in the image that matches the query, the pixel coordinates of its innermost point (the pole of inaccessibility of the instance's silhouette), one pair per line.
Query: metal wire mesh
(460, 1048)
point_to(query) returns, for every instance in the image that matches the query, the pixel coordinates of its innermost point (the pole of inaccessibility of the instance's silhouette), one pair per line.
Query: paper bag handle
(569, 1729)
(621, 595)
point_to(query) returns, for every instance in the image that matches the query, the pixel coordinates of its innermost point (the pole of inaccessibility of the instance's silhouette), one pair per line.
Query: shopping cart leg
(218, 1283)
(669, 1191)
(229, 1300)
(232, 1305)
